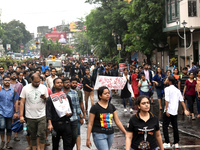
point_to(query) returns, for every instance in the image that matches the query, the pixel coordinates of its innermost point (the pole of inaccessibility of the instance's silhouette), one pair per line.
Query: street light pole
(184, 38)
(185, 47)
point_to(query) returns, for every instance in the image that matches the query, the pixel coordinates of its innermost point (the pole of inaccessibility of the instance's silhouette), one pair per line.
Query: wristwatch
(16, 112)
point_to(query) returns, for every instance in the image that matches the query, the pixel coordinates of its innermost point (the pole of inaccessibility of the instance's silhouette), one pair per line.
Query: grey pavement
(189, 129)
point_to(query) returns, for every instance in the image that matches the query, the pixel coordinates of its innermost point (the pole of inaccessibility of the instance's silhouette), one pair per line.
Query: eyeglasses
(6, 80)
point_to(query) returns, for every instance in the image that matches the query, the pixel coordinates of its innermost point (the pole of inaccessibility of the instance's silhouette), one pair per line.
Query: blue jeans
(130, 102)
(103, 141)
(198, 103)
(74, 128)
(5, 123)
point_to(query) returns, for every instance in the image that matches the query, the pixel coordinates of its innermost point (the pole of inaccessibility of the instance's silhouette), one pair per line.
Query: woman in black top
(100, 121)
(143, 129)
(88, 88)
(21, 79)
(77, 70)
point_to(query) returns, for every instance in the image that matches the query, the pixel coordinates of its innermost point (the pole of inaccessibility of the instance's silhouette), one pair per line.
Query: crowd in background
(36, 82)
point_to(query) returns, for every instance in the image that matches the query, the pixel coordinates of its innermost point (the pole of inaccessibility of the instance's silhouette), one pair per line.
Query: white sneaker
(131, 110)
(166, 145)
(176, 146)
(125, 110)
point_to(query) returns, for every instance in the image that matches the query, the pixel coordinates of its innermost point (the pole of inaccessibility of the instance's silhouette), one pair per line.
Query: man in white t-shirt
(49, 80)
(172, 97)
(33, 97)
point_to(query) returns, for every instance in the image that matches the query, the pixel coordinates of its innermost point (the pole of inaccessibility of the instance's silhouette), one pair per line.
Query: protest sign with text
(110, 82)
(61, 104)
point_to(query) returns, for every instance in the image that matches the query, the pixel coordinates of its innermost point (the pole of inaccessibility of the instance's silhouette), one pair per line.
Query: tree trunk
(148, 59)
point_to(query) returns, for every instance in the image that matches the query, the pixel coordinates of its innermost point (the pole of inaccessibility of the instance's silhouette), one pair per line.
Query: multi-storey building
(180, 13)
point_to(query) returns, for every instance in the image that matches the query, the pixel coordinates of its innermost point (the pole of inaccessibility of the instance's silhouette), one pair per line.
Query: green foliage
(6, 60)
(145, 25)
(15, 34)
(173, 61)
(50, 47)
(1, 31)
(102, 22)
(82, 43)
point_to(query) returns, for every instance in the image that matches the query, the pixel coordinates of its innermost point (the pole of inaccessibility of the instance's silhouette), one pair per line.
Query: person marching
(59, 119)
(88, 89)
(143, 129)
(135, 81)
(158, 80)
(100, 121)
(172, 97)
(189, 93)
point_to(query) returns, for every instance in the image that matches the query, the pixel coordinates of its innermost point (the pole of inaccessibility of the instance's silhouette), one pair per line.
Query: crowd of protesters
(28, 92)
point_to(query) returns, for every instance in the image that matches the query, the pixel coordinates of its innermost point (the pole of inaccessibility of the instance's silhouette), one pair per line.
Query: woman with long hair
(143, 129)
(101, 121)
(159, 83)
(176, 76)
(127, 91)
(134, 82)
(189, 93)
(144, 85)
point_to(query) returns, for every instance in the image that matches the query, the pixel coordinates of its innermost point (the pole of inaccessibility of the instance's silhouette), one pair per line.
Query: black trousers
(74, 128)
(62, 129)
(166, 122)
(190, 102)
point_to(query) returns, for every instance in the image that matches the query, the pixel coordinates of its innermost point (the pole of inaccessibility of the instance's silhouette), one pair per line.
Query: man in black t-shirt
(61, 125)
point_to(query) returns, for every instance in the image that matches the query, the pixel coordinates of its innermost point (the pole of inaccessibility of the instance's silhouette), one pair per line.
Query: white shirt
(50, 82)
(146, 72)
(173, 96)
(34, 105)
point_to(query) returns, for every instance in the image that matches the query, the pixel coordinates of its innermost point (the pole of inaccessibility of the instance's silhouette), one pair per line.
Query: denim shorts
(5, 123)
(144, 93)
(103, 141)
(159, 93)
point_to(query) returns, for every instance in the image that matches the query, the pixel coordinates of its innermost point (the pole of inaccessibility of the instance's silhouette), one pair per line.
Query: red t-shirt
(190, 87)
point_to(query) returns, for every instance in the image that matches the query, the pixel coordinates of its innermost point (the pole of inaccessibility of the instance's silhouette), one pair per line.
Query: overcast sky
(50, 13)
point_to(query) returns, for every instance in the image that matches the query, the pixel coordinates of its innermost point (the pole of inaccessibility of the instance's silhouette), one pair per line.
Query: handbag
(150, 89)
(160, 84)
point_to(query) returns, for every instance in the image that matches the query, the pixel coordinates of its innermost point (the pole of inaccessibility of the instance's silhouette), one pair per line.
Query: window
(172, 10)
(192, 8)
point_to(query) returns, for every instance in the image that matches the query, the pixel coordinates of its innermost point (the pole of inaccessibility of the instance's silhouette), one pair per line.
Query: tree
(54, 48)
(1, 31)
(82, 44)
(15, 34)
(101, 23)
(145, 26)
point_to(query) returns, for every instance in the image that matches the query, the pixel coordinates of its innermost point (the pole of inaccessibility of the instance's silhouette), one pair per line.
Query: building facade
(180, 14)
